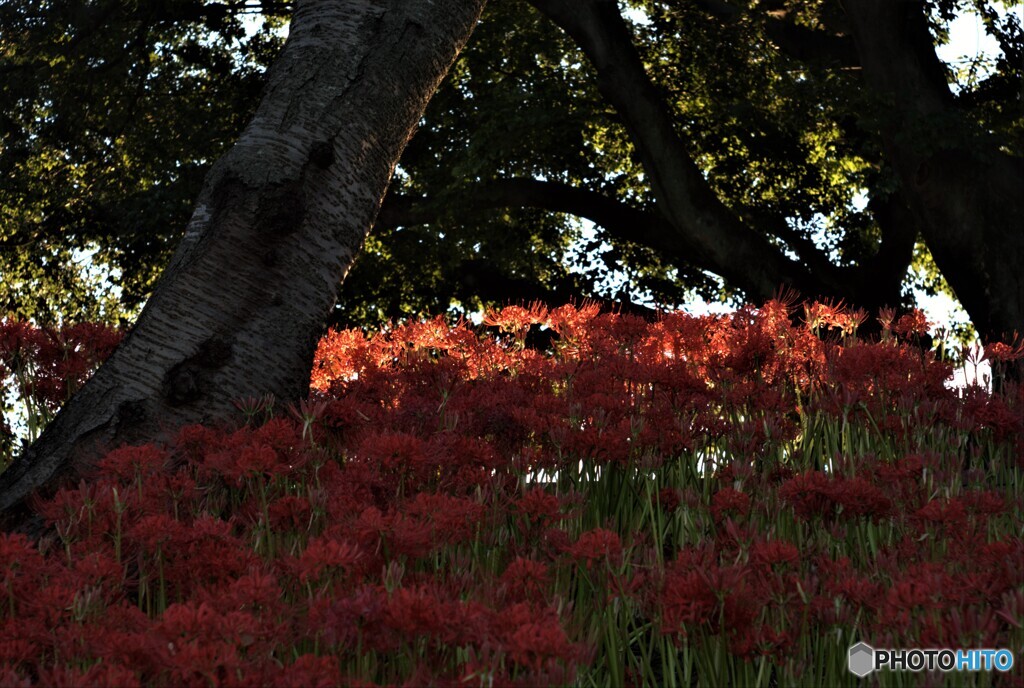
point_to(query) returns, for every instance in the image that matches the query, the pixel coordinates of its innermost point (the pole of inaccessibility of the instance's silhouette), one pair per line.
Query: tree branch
(873, 282)
(620, 220)
(896, 48)
(799, 42)
(712, 234)
(485, 280)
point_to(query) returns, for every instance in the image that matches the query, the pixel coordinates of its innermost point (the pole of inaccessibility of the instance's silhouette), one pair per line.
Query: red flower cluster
(51, 363)
(43, 367)
(819, 494)
(670, 501)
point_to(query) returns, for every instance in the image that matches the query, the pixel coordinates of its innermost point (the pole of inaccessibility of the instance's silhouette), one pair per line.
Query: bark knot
(322, 154)
(186, 381)
(280, 208)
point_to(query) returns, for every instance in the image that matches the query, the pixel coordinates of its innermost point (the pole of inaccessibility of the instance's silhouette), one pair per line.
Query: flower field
(714, 501)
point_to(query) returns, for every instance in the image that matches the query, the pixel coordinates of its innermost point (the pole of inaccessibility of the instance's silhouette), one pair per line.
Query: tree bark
(276, 227)
(966, 194)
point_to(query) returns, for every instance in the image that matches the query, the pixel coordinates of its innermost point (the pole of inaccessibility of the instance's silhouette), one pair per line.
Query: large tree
(715, 137)
(278, 221)
(725, 136)
(719, 146)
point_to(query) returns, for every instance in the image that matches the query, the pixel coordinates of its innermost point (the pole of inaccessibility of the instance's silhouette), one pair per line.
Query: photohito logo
(862, 659)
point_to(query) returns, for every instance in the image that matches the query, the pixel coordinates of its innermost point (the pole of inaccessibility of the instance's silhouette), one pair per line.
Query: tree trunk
(967, 195)
(276, 227)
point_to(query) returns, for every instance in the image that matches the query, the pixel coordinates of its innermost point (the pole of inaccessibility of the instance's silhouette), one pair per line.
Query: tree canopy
(111, 114)
(773, 143)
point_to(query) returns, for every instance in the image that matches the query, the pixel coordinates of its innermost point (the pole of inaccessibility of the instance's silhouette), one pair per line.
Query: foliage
(111, 113)
(507, 109)
(105, 136)
(730, 500)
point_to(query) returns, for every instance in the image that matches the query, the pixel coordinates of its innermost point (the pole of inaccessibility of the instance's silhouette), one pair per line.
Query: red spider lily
(192, 625)
(878, 372)
(203, 552)
(526, 579)
(370, 526)
(102, 675)
(777, 644)
(253, 408)
(569, 321)
(339, 357)
(53, 362)
(407, 546)
(155, 531)
(290, 513)
(554, 541)
(255, 591)
(141, 649)
(810, 494)
(984, 502)
(860, 497)
(729, 501)
(133, 463)
(942, 512)
(397, 451)
(999, 553)
(1012, 608)
(29, 633)
(516, 318)
(426, 611)
(310, 671)
(202, 663)
(308, 413)
(886, 317)
(540, 506)
(17, 338)
(773, 552)
(916, 592)
(971, 626)
(533, 637)
(100, 570)
(596, 545)
(762, 641)
(273, 449)
(824, 314)
(327, 554)
(19, 557)
(687, 601)
(14, 651)
(913, 323)
(1003, 352)
(467, 464)
(452, 519)
(669, 499)
(193, 440)
(250, 461)
(410, 537)
(839, 579)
